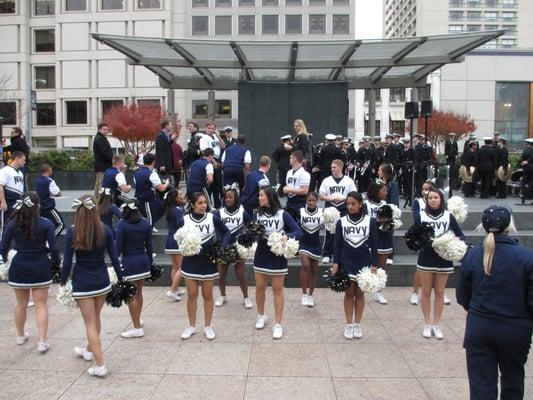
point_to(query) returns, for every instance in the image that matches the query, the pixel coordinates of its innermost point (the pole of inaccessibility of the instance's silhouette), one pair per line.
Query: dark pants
(486, 183)
(282, 179)
(177, 178)
(53, 215)
(216, 189)
(315, 181)
(232, 175)
(528, 180)
(363, 181)
(294, 210)
(491, 344)
(501, 189)
(152, 210)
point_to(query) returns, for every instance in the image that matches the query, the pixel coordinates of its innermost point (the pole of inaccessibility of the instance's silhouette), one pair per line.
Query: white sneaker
(427, 331)
(447, 300)
(379, 298)
(310, 301)
(98, 371)
(133, 333)
(305, 302)
(325, 260)
(277, 331)
(209, 333)
(357, 331)
(43, 347)
(390, 261)
(154, 230)
(414, 299)
(260, 321)
(83, 353)
(248, 303)
(23, 339)
(31, 303)
(188, 332)
(348, 331)
(437, 332)
(220, 301)
(173, 296)
(181, 292)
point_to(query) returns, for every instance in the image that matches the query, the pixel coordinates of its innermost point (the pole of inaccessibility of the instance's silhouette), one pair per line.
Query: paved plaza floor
(312, 361)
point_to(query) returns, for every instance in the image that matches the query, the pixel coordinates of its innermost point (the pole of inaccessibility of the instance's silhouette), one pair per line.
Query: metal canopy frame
(364, 64)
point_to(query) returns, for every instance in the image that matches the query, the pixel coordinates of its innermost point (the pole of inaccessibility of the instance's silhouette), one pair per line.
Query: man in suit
(486, 166)
(527, 165)
(329, 152)
(228, 138)
(502, 160)
(103, 156)
(451, 151)
(391, 151)
(163, 149)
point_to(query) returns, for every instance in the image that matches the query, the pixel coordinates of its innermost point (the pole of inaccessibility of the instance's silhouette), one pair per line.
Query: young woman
(107, 209)
(432, 269)
(198, 271)
(30, 270)
(234, 216)
(310, 250)
(356, 242)
(174, 203)
(266, 263)
(387, 176)
(302, 142)
(89, 239)
(376, 198)
(134, 242)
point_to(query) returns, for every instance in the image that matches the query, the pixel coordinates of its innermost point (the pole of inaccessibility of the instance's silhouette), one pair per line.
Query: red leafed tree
(134, 126)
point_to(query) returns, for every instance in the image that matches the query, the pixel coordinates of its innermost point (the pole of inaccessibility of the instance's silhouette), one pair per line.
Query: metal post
(412, 167)
(211, 112)
(29, 115)
(372, 113)
(170, 105)
(414, 123)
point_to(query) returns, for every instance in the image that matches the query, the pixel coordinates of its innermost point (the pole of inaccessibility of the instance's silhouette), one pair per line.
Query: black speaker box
(411, 109)
(426, 108)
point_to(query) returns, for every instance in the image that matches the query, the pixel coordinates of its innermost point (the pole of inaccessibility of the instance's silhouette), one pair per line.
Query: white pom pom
(370, 282)
(246, 252)
(291, 248)
(64, 295)
(457, 206)
(396, 216)
(331, 215)
(188, 240)
(112, 275)
(4, 267)
(449, 247)
(275, 244)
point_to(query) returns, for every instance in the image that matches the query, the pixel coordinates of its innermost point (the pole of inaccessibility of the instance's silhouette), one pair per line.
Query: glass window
(317, 2)
(223, 3)
(508, 42)
(200, 25)
(44, 7)
(112, 4)
(490, 44)
(199, 108)
(48, 142)
(247, 3)
(512, 110)
(473, 28)
(491, 15)
(45, 40)
(46, 114)
(108, 104)
(45, 77)
(293, 2)
(473, 15)
(270, 3)
(144, 4)
(341, 24)
(7, 7)
(340, 2)
(397, 94)
(424, 93)
(200, 3)
(508, 16)
(491, 3)
(378, 94)
(246, 24)
(75, 5)
(491, 27)
(223, 25)
(317, 23)
(456, 28)
(8, 112)
(76, 112)
(456, 15)
(149, 103)
(293, 24)
(270, 24)
(222, 109)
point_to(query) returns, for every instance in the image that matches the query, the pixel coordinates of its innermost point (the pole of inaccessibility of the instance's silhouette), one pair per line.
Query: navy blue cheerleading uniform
(89, 276)
(134, 242)
(30, 268)
(356, 240)
(393, 193)
(249, 197)
(234, 220)
(428, 260)
(152, 207)
(311, 221)
(173, 223)
(234, 158)
(418, 205)
(110, 181)
(198, 267)
(385, 238)
(265, 261)
(12, 180)
(46, 188)
(107, 219)
(197, 179)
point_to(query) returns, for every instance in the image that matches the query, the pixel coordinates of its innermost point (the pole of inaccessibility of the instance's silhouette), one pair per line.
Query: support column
(171, 110)
(372, 113)
(414, 97)
(211, 112)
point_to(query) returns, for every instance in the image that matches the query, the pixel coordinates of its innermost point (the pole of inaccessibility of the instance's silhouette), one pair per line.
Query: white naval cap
(331, 136)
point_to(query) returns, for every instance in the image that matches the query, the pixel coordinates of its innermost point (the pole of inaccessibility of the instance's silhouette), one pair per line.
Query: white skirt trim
(94, 293)
(198, 277)
(386, 251)
(268, 271)
(36, 285)
(137, 277)
(310, 255)
(435, 270)
(172, 251)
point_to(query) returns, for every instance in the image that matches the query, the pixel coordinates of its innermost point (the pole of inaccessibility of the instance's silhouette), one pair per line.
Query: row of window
(48, 7)
(475, 28)
(487, 15)
(254, 3)
(480, 3)
(270, 24)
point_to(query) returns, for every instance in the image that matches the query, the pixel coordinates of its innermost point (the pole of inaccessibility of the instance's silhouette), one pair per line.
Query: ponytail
(489, 245)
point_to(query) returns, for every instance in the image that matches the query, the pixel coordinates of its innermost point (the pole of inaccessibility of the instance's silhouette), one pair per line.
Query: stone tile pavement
(312, 361)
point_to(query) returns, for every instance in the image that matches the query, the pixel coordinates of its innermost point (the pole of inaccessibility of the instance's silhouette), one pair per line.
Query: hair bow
(87, 203)
(233, 186)
(105, 190)
(131, 206)
(26, 201)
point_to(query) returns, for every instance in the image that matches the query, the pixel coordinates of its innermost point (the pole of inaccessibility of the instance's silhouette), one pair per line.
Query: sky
(368, 19)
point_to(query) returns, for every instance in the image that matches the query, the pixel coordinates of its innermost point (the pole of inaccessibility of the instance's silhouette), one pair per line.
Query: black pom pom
(250, 234)
(338, 282)
(155, 272)
(56, 272)
(121, 292)
(221, 255)
(419, 236)
(384, 218)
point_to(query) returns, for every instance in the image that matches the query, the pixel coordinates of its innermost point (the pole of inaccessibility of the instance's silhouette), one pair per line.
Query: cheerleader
(47, 189)
(174, 201)
(234, 216)
(386, 175)
(107, 209)
(197, 270)
(30, 268)
(275, 219)
(432, 269)
(89, 239)
(310, 249)
(376, 195)
(355, 247)
(134, 242)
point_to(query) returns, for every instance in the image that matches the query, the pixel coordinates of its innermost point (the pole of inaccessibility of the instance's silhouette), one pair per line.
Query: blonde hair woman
(302, 142)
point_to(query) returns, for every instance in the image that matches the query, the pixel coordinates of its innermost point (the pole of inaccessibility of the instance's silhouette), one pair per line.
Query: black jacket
(391, 154)
(470, 158)
(328, 153)
(281, 157)
(486, 158)
(451, 150)
(18, 143)
(163, 153)
(502, 157)
(103, 155)
(303, 143)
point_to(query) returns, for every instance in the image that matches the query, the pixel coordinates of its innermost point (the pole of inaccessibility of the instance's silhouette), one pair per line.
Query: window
(456, 15)
(473, 15)
(45, 77)
(46, 114)
(149, 103)
(44, 142)
(7, 7)
(45, 40)
(223, 3)
(491, 27)
(340, 2)
(317, 2)
(222, 109)
(397, 94)
(246, 25)
(8, 112)
(270, 24)
(508, 16)
(473, 28)
(44, 7)
(293, 24)
(223, 25)
(508, 3)
(200, 3)
(200, 25)
(75, 5)
(112, 4)
(508, 42)
(317, 23)
(491, 15)
(510, 28)
(490, 44)
(341, 24)
(247, 3)
(512, 110)
(456, 28)
(270, 3)
(378, 94)
(424, 93)
(199, 108)
(108, 104)
(145, 4)
(76, 112)
(293, 2)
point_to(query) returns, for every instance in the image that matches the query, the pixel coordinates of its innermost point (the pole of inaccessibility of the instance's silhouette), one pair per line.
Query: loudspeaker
(426, 108)
(411, 109)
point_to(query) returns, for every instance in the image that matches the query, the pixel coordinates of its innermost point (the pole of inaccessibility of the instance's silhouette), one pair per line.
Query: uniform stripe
(199, 277)
(94, 293)
(309, 254)
(385, 251)
(148, 212)
(447, 270)
(268, 271)
(172, 251)
(59, 220)
(137, 276)
(29, 285)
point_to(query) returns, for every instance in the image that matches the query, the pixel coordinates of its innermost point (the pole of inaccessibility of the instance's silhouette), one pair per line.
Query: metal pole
(29, 116)
(170, 105)
(211, 112)
(412, 167)
(372, 113)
